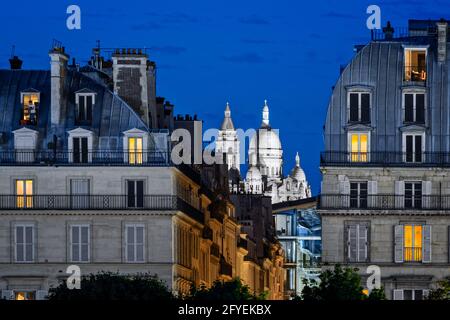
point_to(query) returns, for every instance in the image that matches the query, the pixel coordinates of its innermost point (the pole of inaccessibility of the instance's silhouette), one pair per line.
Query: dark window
(359, 107)
(80, 150)
(413, 148)
(84, 109)
(358, 194)
(414, 108)
(135, 193)
(413, 194)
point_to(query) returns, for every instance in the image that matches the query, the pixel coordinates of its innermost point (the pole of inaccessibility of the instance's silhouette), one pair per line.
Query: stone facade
(384, 197)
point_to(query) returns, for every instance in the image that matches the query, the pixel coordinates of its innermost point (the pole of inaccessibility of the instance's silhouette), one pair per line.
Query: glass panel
(29, 252)
(139, 150)
(130, 235)
(140, 252)
(354, 107)
(20, 192)
(417, 243)
(407, 295)
(75, 252)
(84, 252)
(408, 243)
(29, 234)
(131, 150)
(84, 235)
(130, 253)
(75, 234)
(139, 234)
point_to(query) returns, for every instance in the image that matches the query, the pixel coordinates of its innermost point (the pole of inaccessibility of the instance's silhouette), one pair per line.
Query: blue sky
(210, 52)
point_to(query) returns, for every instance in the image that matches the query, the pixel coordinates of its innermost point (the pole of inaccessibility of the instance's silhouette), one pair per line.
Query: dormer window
(30, 104)
(84, 100)
(415, 64)
(135, 143)
(358, 107)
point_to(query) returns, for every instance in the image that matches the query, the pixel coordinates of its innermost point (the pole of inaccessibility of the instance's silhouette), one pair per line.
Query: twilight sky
(209, 52)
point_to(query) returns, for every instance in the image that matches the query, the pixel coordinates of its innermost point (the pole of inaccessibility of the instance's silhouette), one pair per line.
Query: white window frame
(80, 133)
(414, 48)
(359, 92)
(414, 92)
(33, 244)
(349, 144)
(71, 243)
(413, 133)
(135, 226)
(25, 195)
(84, 95)
(135, 133)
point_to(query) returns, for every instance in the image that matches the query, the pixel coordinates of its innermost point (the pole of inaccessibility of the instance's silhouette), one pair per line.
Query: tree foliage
(224, 290)
(442, 292)
(338, 284)
(114, 286)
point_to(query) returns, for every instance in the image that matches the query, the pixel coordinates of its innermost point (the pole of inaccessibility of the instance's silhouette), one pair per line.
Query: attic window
(84, 104)
(30, 105)
(415, 64)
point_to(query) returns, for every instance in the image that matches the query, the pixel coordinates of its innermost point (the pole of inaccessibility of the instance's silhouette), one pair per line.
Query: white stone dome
(267, 140)
(253, 174)
(297, 172)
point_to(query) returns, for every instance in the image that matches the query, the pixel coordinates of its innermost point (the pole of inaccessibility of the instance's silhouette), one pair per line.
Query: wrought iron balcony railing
(385, 158)
(385, 201)
(412, 254)
(83, 158)
(99, 202)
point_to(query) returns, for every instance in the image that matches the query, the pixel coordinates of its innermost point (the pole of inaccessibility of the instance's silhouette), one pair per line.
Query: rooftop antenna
(13, 51)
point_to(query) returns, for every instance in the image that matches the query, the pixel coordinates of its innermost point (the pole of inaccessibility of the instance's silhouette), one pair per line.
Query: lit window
(30, 105)
(359, 147)
(415, 65)
(24, 243)
(135, 150)
(412, 243)
(24, 193)
(24, 295)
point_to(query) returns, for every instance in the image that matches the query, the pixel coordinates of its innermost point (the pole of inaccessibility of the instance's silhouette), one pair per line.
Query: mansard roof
(111, 115)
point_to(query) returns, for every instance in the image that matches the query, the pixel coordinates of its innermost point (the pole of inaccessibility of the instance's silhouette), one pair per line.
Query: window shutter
(131, 193)
(399, 194)
(41, 294)
(426, 244)
(420, 108)
(352, 243)
(344, 187)
(426, 192)
(365, 107)
(354, 107)
(89, 108)
(398, 243)
(362, 242)
(84, 150)
(8, 294)
(398, 294)
(409, 107)
(76, 150)
(140, 193)
(372, 190)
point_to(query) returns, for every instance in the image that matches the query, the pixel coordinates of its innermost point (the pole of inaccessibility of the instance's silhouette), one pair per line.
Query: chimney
(58, 68)
(15, 63)
(131, 80)
(388, 31)
(442, 27)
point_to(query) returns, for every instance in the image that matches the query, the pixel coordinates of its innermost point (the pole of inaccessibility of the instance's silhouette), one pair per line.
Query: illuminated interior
(24, 295)
(412, 243)
(415, 65)
(359, 147)
(30, 102)
(135, 150)
(24, 192)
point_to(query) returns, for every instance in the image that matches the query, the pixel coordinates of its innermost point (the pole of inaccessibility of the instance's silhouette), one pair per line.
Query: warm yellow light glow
(27, 98)
(413, 243)
(359, 147)
(20, 296)
(24, 192)
(135, 150)
(366, 292)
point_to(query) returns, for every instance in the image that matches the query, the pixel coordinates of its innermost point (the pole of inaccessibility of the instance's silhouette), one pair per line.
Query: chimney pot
(15, 63)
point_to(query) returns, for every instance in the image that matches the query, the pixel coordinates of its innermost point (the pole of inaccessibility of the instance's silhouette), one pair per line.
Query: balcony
(385, 202)
(415, 74)
(412, 254)
(97, 202)
(385, 159)
(89, 158)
